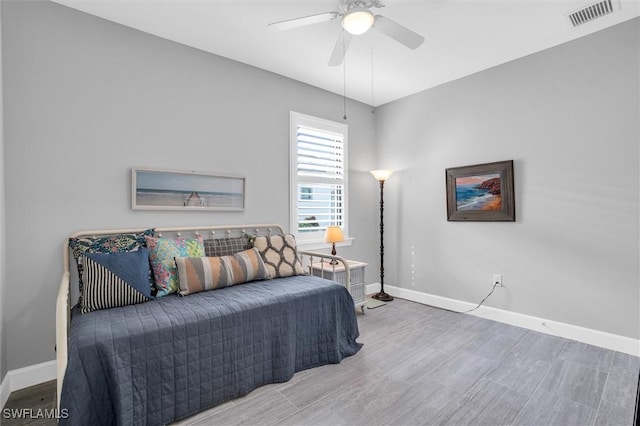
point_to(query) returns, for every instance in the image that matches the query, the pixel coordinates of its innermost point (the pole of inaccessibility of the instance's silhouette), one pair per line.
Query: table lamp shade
(333, 235)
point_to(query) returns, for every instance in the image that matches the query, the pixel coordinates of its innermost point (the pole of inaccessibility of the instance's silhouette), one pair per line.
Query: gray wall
(87, 99)
(569, 117)
(3, 281)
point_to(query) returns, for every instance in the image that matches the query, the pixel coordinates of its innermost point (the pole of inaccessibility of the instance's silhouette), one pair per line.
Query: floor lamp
(381, 176)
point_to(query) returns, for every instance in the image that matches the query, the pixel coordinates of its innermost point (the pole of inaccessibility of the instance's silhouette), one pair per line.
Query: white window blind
(319, 170)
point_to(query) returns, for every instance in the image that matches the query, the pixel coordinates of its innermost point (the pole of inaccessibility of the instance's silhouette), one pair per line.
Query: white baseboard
(556, 328)
(24, 377)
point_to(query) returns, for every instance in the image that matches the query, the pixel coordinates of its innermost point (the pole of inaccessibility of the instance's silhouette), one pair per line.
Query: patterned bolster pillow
(196, 274)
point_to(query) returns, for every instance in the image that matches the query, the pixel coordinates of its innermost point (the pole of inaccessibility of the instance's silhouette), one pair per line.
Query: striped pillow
(114, 279)
(196, 274)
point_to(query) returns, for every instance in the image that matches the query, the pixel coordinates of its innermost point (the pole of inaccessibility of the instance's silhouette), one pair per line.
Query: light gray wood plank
(611, 415)
(416, 366)
(456, 339)
(493, 347)
(488, 403)
(520, 373)
(381, 357)
(203, 415)
(419, 337)
(621, 388)
(366, 400)
(269, 408)
(588, 355)
(317, 385)
(540, 346)
(462, 370)
(317, 414)
(548, 408)
(576, 382)
(507, 330)
(627, 361)
(425, 403)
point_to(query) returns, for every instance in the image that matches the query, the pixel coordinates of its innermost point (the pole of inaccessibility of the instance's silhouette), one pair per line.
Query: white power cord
(496, 284)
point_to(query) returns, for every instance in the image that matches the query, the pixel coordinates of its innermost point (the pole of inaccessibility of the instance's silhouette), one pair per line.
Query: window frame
(315, 239)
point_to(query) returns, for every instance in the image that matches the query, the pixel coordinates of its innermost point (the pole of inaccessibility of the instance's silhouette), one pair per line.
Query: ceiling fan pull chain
(344, 81)
(372, 107)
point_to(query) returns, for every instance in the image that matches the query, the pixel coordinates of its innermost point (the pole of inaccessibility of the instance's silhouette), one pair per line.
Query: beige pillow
(280, 255)
(196, 274)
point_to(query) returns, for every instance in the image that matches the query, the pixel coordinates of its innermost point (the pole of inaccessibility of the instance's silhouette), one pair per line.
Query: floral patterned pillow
(162, 254)
(119, 243)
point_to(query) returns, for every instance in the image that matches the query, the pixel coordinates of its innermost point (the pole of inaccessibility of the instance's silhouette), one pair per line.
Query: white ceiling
(462, 37)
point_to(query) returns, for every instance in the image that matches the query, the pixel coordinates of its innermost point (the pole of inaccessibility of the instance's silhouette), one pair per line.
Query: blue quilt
(170, 358)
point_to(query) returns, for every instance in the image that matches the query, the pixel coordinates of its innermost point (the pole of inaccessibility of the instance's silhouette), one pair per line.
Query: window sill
(320, 244)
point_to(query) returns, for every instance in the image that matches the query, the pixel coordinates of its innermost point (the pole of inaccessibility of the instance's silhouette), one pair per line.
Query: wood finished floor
(421, 366)
(38, 397)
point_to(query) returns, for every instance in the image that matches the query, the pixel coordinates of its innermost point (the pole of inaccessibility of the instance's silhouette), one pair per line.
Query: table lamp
(333, 235)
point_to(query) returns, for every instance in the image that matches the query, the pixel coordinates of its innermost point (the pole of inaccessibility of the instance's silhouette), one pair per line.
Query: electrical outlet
(497, 279)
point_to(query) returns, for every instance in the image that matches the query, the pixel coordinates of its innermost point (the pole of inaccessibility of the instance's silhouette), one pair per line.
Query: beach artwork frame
(481, 193)
(158, 189)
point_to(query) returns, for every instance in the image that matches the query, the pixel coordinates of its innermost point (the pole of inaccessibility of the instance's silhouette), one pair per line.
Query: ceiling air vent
(591, 12)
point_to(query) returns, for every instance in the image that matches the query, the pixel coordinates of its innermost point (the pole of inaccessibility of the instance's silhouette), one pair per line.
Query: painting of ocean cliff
(478, 192)
(481, 192)
(175, 190)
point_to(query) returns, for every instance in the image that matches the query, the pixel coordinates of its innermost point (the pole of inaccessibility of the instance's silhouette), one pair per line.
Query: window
(318, 176)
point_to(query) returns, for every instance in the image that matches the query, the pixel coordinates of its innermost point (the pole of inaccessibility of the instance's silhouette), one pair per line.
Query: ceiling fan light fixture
(358, 20)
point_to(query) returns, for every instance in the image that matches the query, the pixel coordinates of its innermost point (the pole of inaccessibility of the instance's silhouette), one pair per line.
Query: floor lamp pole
(382, 295)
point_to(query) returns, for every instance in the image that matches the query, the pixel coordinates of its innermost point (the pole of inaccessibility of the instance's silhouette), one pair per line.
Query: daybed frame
(64, 298)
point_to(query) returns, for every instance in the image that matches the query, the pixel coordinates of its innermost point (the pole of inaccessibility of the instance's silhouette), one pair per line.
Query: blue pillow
(107, 244)
(115, 279)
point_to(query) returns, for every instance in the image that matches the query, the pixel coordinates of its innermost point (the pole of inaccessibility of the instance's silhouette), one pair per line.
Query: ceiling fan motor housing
(358, 20)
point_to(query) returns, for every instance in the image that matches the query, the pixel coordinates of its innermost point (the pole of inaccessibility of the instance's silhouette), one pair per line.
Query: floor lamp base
(382, 296)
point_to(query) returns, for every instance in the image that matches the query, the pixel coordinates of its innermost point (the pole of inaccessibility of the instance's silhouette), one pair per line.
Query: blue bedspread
(167, 359)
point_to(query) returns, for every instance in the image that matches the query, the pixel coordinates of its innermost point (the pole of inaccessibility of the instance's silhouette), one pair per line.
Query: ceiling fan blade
(340, 49)
(305, 20)
(398, 32)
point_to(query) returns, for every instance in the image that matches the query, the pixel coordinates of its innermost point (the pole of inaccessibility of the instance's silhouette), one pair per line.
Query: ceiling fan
(357, 18)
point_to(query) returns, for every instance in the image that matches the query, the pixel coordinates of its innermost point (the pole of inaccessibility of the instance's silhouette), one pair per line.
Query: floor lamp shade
(381, 176)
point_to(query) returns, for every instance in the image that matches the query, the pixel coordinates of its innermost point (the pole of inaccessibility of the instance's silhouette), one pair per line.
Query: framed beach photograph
(155, 189)
(482, 193)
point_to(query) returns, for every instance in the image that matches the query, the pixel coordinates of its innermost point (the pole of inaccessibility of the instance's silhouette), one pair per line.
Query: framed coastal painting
(156, 189)
(482, 193)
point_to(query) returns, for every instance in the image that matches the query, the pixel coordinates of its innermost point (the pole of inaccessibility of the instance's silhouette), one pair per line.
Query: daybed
(174, 356)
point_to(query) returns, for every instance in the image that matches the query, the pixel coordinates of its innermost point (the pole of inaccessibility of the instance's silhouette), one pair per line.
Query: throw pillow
(196, 274)
(280, 255)
(217, 247)
(162, 252)
(119, 243)
(115, 279)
